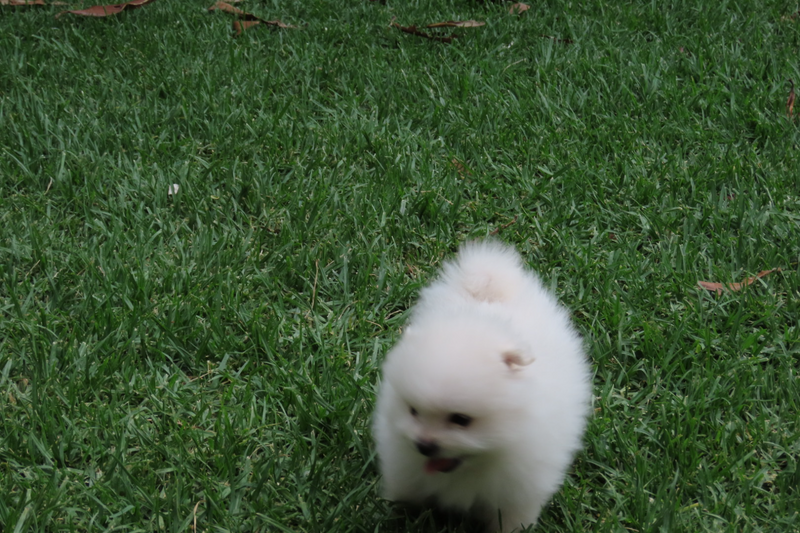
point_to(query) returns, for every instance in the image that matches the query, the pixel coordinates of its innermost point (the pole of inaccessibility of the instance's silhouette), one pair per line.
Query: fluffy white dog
(485, 397)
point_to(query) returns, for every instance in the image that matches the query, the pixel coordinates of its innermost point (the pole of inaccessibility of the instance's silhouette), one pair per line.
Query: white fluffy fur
(485, 340)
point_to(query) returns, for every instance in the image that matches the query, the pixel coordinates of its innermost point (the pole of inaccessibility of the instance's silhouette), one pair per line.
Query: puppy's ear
(515, 359)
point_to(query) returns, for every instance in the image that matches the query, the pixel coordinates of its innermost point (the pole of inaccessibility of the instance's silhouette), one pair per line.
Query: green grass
(212, 356)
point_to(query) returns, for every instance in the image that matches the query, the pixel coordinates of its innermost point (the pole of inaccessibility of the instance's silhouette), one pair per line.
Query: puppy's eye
(460, 420)
(412, 411)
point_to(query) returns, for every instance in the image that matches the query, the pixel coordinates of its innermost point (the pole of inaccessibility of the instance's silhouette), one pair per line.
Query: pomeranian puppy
(484, 399)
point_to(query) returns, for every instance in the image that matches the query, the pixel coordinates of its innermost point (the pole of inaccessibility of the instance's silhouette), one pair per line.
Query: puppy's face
(453, 388)
(445, 437)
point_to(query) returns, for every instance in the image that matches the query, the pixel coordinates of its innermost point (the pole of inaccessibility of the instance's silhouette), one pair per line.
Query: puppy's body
(484, 399)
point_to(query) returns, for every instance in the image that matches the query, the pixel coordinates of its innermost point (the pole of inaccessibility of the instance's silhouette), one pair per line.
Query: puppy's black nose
(427, 448)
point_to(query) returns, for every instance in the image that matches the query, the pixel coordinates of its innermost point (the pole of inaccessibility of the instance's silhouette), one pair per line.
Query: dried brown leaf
(413, 30)
(519, 8)
(460, 168)
(31, 3)
(250, 20)
(239, 27)
(719, 288)
(790, 101)
(107, 10)
(226, 7)
(23, 3)
(558, 40)
(277, 23)
(457, 24)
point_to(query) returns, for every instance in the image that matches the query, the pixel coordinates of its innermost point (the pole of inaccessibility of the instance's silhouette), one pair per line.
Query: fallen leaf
(719, 288)
(790, 101)
(104, 11)
(556, 39)
(460, 168)
(225, 6)
(239, 27)
(414, 31)
(519, 8)
(457, 24)
(277, 23)
(250, 20)
(31, 3)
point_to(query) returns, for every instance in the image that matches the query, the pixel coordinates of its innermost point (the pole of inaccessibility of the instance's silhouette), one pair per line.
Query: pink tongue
(440, 465)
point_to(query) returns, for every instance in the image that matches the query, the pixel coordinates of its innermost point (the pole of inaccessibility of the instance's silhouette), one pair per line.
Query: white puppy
(484, 399)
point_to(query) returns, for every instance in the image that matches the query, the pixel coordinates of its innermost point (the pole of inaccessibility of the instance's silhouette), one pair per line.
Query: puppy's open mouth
(442, 464)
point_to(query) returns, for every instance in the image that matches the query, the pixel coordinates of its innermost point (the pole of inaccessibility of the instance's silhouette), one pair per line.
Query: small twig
(504, 226)
(31, 270)
(512, 64)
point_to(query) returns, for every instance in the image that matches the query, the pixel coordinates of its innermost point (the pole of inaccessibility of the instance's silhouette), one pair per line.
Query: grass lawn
(207, 359)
